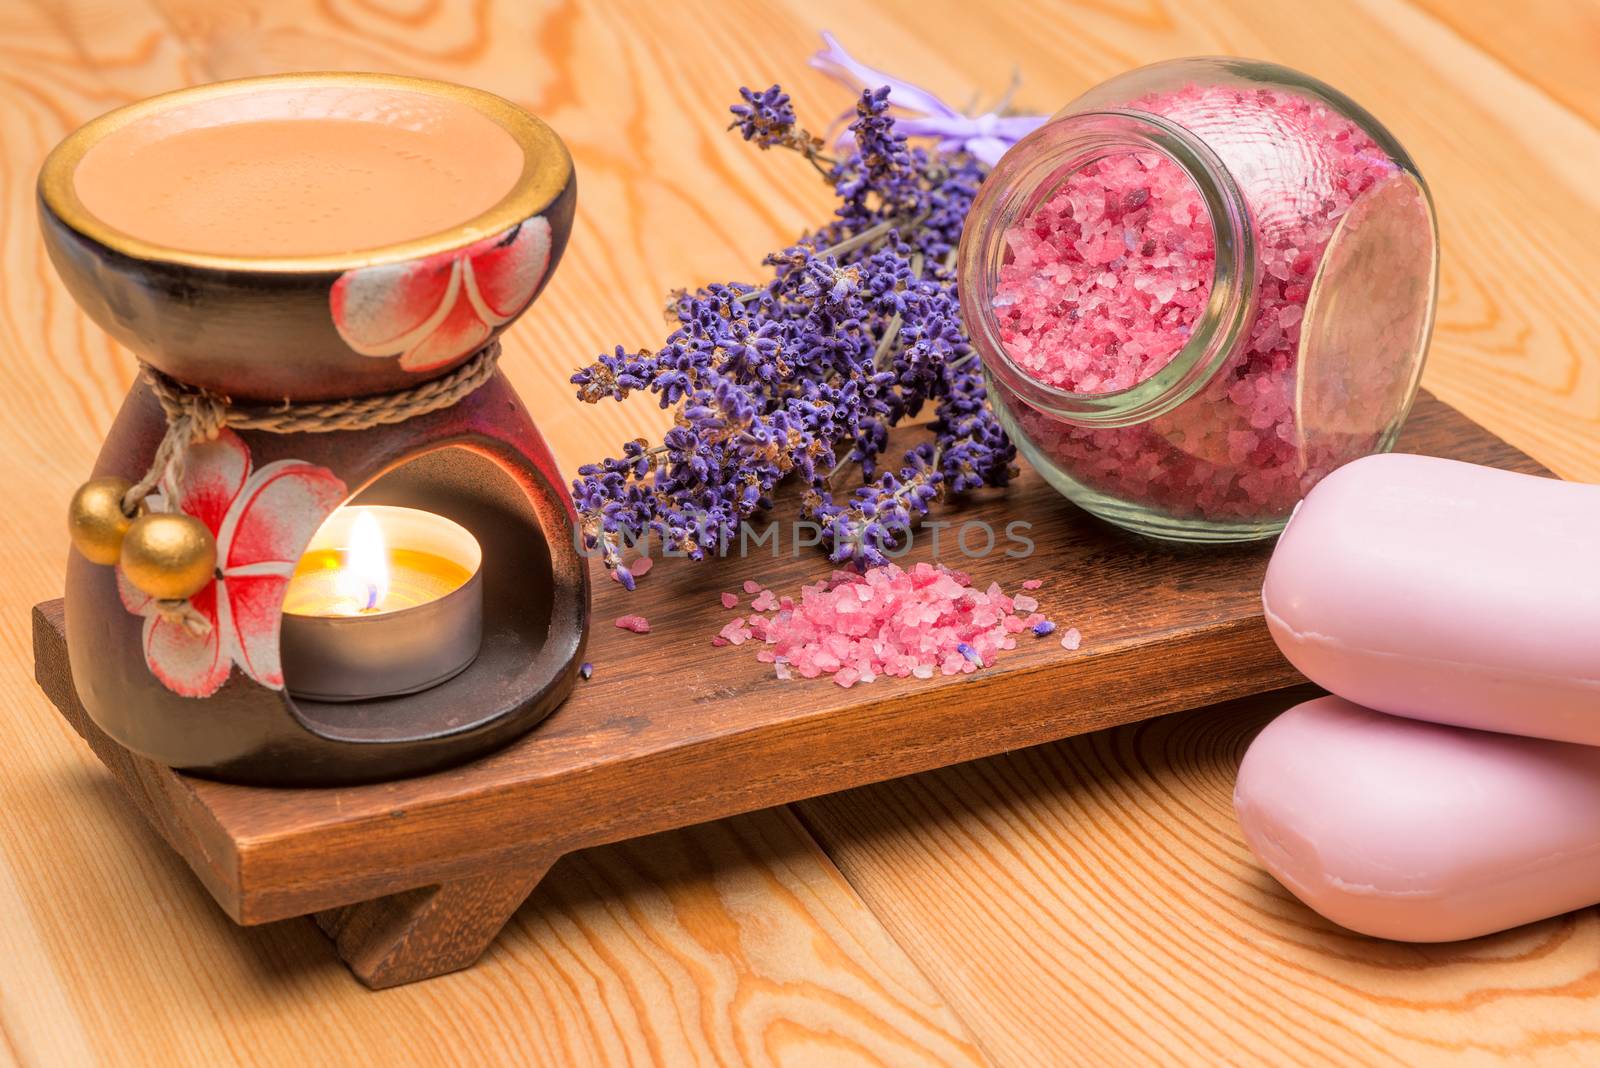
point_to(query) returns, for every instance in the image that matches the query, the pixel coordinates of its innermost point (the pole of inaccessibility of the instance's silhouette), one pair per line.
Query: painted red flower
(262, 521)
(432, 311)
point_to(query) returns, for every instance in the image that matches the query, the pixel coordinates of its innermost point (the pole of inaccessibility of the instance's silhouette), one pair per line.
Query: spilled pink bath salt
(637, 624)
(730, 600)
(918, 621)
(1032, 584)
(1106, 280)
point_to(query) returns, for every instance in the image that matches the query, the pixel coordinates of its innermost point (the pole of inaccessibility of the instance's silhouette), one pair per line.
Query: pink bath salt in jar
(1197, 290)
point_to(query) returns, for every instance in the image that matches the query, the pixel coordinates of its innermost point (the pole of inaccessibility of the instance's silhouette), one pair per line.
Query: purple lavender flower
(766, 117)
(802, 376)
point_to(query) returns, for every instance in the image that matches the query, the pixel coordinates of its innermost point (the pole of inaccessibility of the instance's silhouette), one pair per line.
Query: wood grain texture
(1103, 884)
(729, 944)
(1550, 43)
(111, 950)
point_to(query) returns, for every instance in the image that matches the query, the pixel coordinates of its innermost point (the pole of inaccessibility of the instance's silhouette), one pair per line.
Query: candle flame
(363, 581)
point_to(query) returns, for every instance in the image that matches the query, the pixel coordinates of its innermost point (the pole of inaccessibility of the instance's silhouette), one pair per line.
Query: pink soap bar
(1414, 831)
(1448, 592)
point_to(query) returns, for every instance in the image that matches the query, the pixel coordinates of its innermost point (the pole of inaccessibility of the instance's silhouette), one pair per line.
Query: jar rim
(1031, 170)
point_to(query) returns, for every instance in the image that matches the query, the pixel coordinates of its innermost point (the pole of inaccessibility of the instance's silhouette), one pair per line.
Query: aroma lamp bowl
(282, 237)
(315, 269)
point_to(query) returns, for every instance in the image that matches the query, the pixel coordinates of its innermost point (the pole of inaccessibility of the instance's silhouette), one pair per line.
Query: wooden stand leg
(429, 931)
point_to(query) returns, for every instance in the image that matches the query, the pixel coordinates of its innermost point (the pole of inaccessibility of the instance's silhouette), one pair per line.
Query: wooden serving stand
(414, 878)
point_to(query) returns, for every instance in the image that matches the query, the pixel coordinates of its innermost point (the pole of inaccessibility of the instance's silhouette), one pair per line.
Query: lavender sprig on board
(802, 376)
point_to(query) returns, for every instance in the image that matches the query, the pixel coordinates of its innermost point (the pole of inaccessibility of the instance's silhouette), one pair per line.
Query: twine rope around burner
(198, 415)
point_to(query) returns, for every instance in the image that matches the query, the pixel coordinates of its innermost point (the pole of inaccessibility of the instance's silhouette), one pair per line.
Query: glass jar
(1197, 290)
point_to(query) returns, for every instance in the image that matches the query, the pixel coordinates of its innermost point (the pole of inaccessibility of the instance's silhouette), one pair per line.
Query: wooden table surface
(1086, 902)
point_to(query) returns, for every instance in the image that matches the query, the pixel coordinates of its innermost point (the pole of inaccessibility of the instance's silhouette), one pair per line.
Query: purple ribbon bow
(985, 136)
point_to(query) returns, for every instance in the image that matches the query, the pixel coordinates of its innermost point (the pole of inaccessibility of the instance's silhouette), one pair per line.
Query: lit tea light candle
(366, 576)
(384, 601)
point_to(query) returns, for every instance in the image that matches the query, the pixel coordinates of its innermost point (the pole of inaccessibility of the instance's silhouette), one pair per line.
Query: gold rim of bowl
(546, 171)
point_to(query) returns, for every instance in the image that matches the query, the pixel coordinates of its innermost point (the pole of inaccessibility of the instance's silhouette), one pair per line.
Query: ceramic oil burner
(314, 270)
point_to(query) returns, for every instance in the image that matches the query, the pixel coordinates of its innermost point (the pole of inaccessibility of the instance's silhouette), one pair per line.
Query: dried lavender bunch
(857, 328)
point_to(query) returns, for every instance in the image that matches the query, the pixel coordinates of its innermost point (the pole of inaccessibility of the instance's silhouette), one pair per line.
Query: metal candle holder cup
(365, 655)
(252, 361)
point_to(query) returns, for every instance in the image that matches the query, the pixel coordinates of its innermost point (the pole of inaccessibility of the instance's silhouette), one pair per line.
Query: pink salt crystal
(730, 600)
(637, 624)
(735, 632)
(1023, 603)
(765, 601)
(1071, 639)
(847, 677)
(1121, 306)
(1032, 584)
(641, 567)
(752, 586)
(719, 640)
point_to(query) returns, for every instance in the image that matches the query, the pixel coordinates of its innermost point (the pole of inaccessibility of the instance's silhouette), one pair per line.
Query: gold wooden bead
(169, 555)
(96, 521)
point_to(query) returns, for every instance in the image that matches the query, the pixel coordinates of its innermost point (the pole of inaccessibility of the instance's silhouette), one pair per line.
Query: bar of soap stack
(1450, 787)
